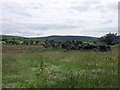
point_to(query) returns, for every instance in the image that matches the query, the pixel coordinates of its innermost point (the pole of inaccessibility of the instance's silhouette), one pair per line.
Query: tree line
(103, 43)
(76, 45)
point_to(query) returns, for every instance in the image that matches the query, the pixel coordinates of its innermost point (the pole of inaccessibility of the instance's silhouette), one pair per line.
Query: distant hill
(69, 38)
(11, 37)
(62, 38)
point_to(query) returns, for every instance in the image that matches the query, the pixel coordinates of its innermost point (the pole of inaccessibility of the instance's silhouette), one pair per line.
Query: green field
(32, 66)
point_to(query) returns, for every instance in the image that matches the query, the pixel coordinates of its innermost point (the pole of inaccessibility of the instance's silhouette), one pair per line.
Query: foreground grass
(36, 67)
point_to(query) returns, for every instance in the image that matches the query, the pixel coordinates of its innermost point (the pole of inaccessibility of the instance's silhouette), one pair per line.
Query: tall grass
(36, 67)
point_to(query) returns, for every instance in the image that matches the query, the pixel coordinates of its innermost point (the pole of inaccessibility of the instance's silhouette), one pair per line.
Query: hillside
(11, 37)
(69, 38)
(62, 38)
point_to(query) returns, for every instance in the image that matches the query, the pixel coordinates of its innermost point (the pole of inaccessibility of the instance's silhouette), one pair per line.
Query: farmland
(33, 66)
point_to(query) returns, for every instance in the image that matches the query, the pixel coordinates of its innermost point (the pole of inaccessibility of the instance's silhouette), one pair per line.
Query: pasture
(32, 66)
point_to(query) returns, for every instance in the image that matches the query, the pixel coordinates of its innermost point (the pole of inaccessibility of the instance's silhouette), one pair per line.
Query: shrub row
(76, 45)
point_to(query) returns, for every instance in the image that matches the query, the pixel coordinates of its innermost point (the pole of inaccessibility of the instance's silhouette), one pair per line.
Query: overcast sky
(32, 18)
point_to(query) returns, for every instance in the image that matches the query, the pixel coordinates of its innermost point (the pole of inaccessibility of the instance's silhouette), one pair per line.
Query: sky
(39, 18)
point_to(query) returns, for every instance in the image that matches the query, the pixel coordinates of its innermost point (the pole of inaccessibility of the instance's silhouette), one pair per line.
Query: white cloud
(59, 17)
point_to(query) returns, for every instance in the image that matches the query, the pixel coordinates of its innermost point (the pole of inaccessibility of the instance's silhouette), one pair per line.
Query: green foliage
(76, 45)
(103, 48)
(20, 40)
(3, 42)
(79, 45)
(109, 39)
(52, 44)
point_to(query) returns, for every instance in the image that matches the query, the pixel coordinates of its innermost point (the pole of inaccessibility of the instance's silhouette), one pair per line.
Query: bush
(109, 39)
(103, 48)
(79, 45)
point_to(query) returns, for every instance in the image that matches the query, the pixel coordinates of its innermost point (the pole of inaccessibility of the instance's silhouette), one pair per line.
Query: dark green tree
(109, 38)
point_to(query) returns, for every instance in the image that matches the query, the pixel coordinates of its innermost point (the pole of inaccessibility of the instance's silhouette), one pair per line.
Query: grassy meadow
(32, 66)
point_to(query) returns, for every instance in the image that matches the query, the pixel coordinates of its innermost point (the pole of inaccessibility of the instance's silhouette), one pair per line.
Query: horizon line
(47, 35)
